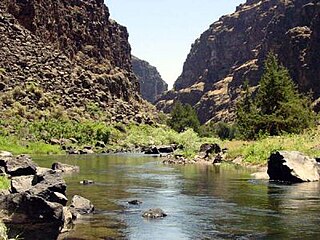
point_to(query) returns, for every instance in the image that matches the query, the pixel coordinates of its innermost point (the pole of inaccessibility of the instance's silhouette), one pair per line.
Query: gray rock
(66, 168)
(100, 144)
(21, 165)
(152, 150)
(81, 205)
(154, 213)
(32, 215)
(5, 154)
(87, 182)
(260, 175)
(43, 171)
(21, 183)
(292, 167)
(86, 151)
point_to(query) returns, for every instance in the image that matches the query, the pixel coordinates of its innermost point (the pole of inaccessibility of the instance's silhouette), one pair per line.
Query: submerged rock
(293, 167)
(154, 213)
(134, 202)
(66, 168)
(86, 182)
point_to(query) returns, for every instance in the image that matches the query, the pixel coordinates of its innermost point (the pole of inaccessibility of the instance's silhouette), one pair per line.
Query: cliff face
(71, 52)
(233, 49)
(151, 83)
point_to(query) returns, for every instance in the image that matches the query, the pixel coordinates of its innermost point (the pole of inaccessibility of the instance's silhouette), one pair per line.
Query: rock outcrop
(69, 55)
(151, 83)
(35, 205)
(234, 48)
(293, 167)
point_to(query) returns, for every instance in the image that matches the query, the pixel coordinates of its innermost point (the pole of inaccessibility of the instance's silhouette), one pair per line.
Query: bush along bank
(85, 137)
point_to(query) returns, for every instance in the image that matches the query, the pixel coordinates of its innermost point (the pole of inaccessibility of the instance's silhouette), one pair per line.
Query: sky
(162, 31)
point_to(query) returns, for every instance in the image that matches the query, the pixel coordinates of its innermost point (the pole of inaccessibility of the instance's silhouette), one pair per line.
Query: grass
(257, 152)
(4, 183)
(16, 146)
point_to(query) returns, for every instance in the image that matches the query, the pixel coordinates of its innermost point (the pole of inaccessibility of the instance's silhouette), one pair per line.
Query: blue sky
(162, 31)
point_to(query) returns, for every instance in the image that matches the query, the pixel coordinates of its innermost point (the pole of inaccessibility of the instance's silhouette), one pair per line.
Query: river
(202, 202)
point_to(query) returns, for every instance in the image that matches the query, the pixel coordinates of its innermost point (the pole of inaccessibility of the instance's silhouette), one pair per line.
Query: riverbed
(202, 201)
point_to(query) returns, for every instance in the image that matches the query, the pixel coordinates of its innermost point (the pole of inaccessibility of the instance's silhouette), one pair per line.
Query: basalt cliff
(234, 48)
(69, 55)
(151, 83)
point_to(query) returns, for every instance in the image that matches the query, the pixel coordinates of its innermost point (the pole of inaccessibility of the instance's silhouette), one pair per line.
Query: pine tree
(278, 107)
(183, 117)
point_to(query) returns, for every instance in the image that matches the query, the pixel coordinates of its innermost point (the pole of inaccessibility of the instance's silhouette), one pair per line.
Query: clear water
(202, 202)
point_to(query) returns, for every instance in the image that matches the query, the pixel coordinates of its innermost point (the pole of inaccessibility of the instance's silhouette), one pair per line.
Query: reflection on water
(202, 202)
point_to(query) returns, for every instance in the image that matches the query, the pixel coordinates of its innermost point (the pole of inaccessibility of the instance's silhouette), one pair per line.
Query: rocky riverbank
(35, 205)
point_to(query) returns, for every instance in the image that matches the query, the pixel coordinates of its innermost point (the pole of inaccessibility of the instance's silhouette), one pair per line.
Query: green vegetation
(15, 145)
(276, 117)
(86, 132)
(4, 183)
(183, 117)
(221, 130)
(277, 107)
(257, 152)
(134, 136)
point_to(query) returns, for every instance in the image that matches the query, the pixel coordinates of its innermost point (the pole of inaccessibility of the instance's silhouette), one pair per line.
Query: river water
(202, 202)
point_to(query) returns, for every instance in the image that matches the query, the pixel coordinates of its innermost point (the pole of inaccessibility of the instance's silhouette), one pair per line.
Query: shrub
(85, 132)
(222, 130)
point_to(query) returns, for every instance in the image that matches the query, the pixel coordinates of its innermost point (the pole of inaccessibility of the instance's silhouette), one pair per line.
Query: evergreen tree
(277, 107)
(183, 117)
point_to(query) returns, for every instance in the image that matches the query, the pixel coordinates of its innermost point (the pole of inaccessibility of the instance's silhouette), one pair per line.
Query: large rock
(154, 213)
(20, 165)
(66, 168)
(293, 167)
(234, 48)
(81, 205)
(21, 184)
(33, 216)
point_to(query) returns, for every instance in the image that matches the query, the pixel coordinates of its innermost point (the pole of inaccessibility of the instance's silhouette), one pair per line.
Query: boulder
(165, 149)
(210, 148)
(68, 218)
(81, 205)
(86, 182)
(54, 141)
(86, 151)
(21, 165)
(154, 213)
(292, 167)
(73, 140)
(152, 150)
(100, 144)
(21, 183)
(50, 182)
(134, 202)
(66, 168)
(43, 171)
(32, 215)
(5, 154)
